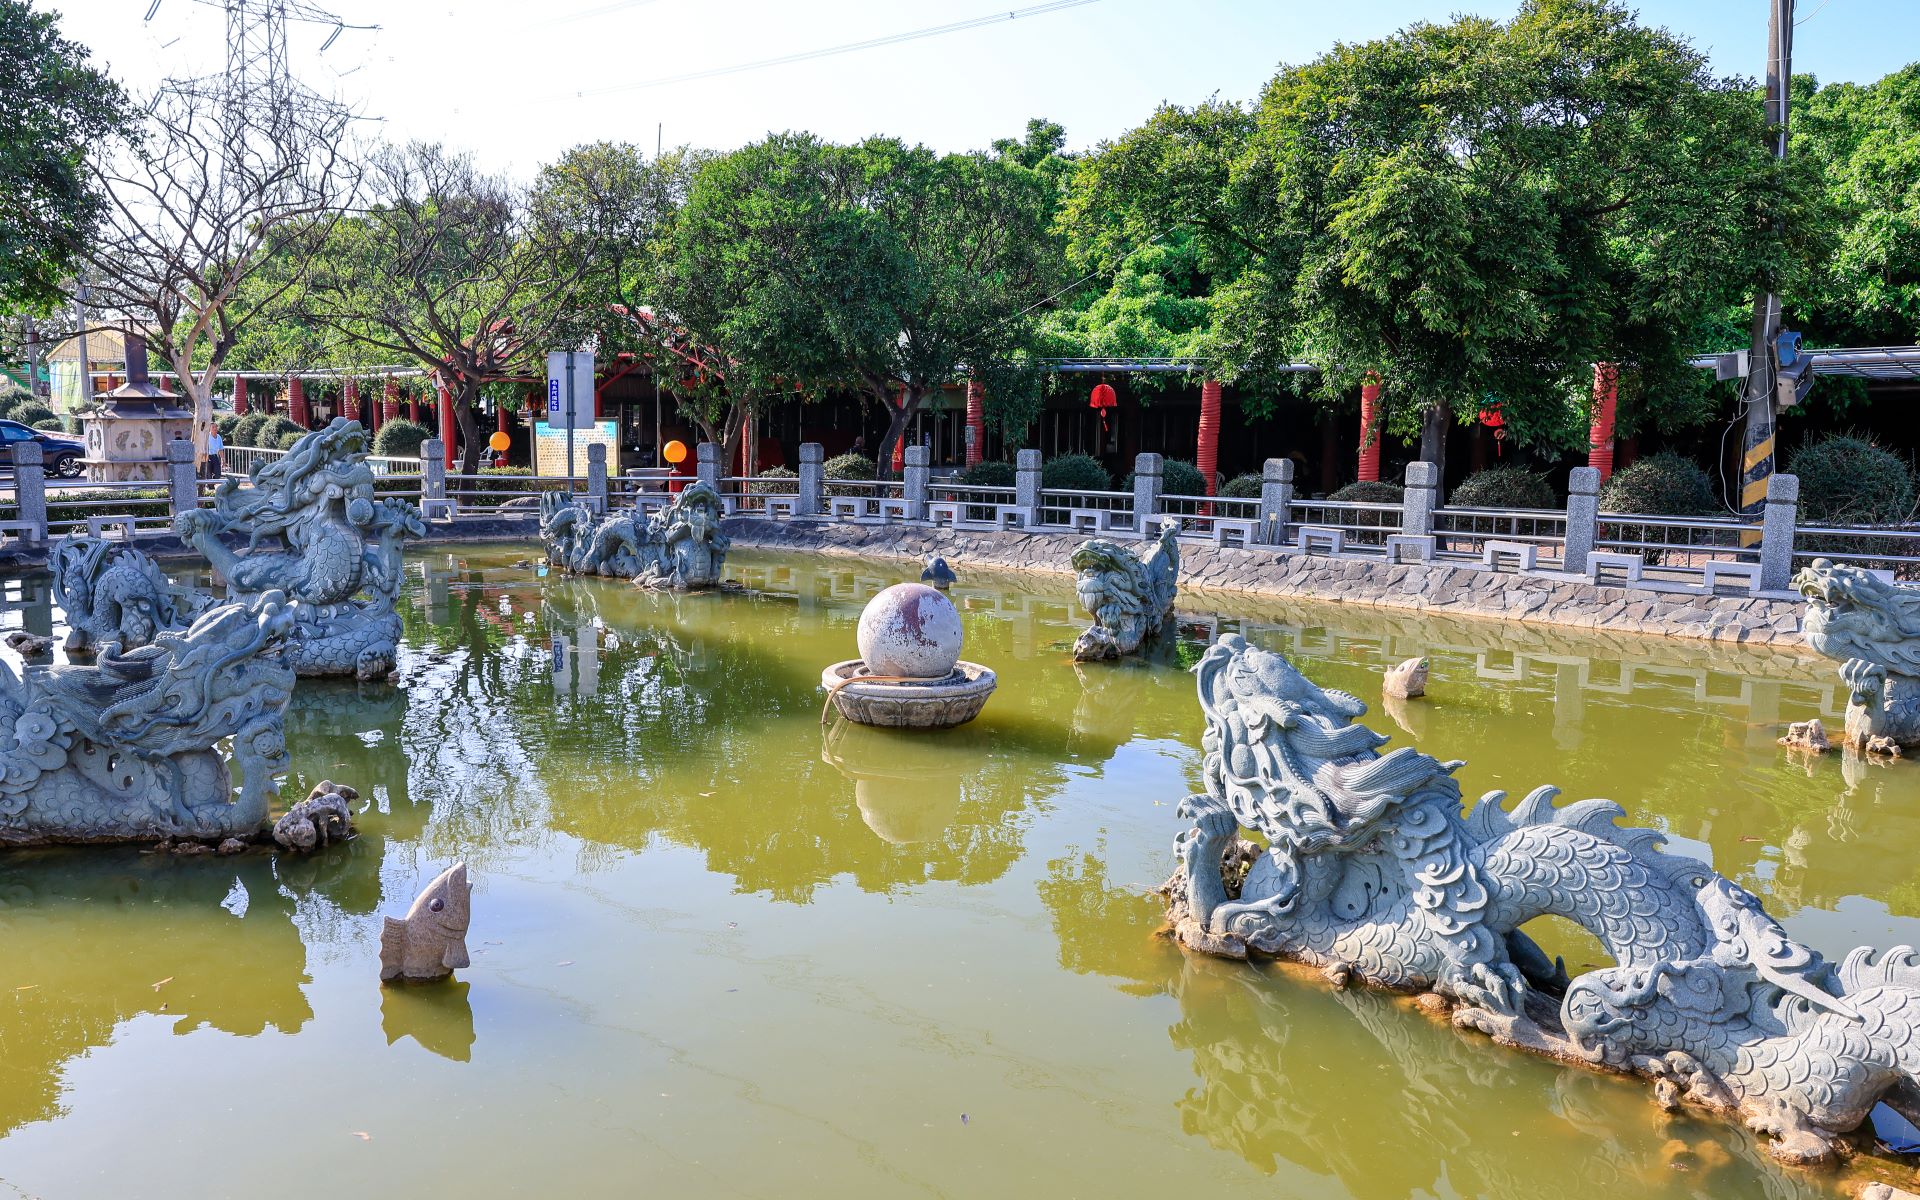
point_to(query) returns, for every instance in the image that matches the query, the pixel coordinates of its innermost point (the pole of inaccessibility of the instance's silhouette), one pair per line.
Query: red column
(749, 447)
(976, 420)
(413, 407)
(446, 422)
(390, 400)
(1369, 434)
(239, 396)
(297, 410)
(900, 443)
(1606, 393)
(350, 400)
(1207, 457)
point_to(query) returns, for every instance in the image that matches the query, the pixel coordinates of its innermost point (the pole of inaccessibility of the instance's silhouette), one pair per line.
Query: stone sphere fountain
(909, 674)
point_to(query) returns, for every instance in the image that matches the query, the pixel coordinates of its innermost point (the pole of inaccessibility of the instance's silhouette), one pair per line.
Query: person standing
(215, 444)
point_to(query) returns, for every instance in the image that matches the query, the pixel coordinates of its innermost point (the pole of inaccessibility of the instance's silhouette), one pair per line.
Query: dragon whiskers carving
(1129, 597)
(1873, 627)
(680, 547)
(125, 749)
(339, 542)
(1372, 871)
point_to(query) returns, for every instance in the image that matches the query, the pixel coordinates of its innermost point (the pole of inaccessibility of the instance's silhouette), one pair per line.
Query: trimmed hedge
(989, 472)
(1505, 486)
(848, 466)
(31, 413)
(400, 438)
(1075, 473)
(1176, 478)
(1370, 491)
(1848, 479)
(51, 424)
(1244, 487)
(1660, 485)
(774, 481)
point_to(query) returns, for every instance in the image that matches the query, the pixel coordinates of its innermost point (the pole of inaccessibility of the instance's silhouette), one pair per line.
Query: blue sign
(553, 395)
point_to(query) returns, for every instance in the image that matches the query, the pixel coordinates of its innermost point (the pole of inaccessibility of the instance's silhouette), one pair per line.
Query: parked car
(60, 454)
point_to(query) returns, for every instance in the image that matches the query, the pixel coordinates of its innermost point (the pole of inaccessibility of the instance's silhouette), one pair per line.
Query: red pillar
(749, 446)
(1207, 457)
(239, 396)
(900, 443)
(446, 422)
(350, 400)
(297, 410)
(1369, 433)
(1606, 393)
(390, 400)
(976, 421)
(413, 407)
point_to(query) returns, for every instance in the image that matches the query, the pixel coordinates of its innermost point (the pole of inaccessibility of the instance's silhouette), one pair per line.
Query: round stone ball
(910, 630)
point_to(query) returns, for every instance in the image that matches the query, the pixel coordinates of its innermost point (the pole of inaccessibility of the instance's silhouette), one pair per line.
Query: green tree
(1469, 211)
(56, 105)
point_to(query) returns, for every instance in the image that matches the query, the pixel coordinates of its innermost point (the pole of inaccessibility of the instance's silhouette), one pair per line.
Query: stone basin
(915, 704)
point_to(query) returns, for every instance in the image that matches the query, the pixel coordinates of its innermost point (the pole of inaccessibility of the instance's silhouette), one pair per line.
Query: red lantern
(1102, 400)
(1491, 418)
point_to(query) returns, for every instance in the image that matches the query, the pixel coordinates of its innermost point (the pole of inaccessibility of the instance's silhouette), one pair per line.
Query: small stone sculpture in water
(1810, 736)
(341, 549)
(937, 572)
(1371, 871)
(432, 940)
(114, 593)
(31, 647)
(1406, 680)
(1872, 627)
(680, 547)
(1128, 597)
(324, 817)
(125, 749)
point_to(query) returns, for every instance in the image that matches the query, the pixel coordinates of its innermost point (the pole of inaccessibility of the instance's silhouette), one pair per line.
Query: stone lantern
(128, 431)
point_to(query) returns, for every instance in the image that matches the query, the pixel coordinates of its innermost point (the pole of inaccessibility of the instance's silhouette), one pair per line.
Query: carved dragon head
(1109, 581)
(1853, 613)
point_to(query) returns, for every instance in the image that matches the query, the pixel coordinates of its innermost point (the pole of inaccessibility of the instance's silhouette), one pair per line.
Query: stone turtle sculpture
(1372, 871)
(680, 547)
(1128, 596)
(127, 748)
(432, 939)
(340, 554)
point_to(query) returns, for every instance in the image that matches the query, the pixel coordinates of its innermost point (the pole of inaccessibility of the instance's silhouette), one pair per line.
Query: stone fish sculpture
(1372, 872)
(1872, 627)
(680, 547)
(114, 593)
(124, 749)
(1129, 597)
(432, 940)
(340, 555)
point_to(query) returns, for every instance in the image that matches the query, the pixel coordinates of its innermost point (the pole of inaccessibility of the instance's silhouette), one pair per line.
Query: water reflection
(438, 1017)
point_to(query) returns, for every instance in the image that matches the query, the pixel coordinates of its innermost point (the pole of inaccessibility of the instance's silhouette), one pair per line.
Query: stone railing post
(708, 464)
(813, 480)
(1276, 500)
(433, 469)
(913, 483)
(597, 476)
(1583, 519)
(1149, 472)
(30, 487)
(1420, 498)
(1776, 532)
(1026, 485)
(183, 477)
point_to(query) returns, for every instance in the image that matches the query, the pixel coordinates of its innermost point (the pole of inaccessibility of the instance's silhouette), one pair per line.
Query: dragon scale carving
(1372, 870)
(680, 547)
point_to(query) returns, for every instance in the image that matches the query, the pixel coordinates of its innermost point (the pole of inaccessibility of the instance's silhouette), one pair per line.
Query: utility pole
(34, 368)
(86, 363)
(1757, 443)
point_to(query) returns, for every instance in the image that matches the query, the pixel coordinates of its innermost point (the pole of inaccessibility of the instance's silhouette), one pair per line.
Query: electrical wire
(893, 39)
(1810, 16)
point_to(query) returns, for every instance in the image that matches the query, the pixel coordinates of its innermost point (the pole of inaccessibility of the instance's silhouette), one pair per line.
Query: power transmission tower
(1757, 442)
(256, 89)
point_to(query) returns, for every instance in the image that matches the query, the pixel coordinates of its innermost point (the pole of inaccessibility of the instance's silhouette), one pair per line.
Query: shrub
(31, 413)
(10, 402)
(1506, 486)
(848, 466)
(1244, 487)
(225, 424)
(989, 472)
(1177, 478)
(1075, 473)
(290, 439)
(775, 481)
(1661, 485)
(51, 424)
(273, 433)
(1847, 479)
(246, 429)
(1370, 491)
(400, 438)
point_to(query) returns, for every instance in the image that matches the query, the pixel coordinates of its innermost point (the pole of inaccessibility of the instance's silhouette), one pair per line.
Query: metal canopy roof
(1860, 362)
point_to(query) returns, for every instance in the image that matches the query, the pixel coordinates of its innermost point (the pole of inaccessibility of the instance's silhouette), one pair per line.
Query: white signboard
(570, 402)
(550, 447)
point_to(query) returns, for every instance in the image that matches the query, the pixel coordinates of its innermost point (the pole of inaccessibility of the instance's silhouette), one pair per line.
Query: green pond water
(718, 954)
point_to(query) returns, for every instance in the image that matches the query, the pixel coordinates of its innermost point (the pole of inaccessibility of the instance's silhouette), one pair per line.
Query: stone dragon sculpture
(1129, 597)
(341, 555)
(1372, 871)
(680, 547)
(125, 749)
(114, 593)
(1872, 626)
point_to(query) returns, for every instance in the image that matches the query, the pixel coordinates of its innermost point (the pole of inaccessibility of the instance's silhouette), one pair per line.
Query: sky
(517, 82)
